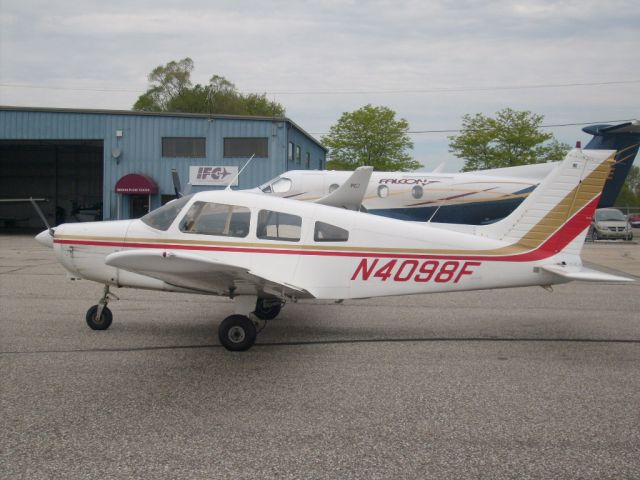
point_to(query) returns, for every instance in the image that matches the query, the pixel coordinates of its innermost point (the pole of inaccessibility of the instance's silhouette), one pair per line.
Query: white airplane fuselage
(469, 197)
(430, 259)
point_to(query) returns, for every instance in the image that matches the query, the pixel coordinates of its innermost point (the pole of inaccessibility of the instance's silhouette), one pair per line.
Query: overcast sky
(430, 61)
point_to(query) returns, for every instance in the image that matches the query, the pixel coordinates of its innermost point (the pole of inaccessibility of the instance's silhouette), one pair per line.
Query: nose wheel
(100, 321)
(99, 317)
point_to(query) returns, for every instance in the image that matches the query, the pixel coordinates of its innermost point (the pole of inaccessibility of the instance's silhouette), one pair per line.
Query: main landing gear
(238, 332)
(99, 317)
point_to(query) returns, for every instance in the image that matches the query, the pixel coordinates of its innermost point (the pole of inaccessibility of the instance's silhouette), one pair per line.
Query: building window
(246, 146)
(290, 152)
(308, 160)
(298, 154)
(279, 226)
(184, 147)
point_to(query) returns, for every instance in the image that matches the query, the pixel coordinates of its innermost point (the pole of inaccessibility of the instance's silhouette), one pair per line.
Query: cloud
(336, 46)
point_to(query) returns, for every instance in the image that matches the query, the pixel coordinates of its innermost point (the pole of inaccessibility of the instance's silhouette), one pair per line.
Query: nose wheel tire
(267, 309)
(101, 323)
(237, 333)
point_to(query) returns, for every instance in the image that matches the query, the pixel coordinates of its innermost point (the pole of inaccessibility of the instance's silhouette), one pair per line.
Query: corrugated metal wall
(141, 142)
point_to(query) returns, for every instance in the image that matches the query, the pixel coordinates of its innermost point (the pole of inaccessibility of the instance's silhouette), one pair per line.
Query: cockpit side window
(325, 232)
(279, 226)
(207, 218)
(162, 218)
(282, 185)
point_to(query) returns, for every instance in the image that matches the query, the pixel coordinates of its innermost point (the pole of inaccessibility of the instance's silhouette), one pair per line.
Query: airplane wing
(351, 193)
(583, 274)
(195, 272)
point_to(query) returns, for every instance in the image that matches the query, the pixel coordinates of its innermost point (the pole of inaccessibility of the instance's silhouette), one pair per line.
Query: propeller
(42, 217)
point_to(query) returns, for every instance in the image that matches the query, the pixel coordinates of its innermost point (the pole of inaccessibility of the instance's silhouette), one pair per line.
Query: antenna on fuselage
(238, 174)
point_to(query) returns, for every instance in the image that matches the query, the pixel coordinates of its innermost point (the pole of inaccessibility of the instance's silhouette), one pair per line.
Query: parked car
(634, 220)
(610, 223)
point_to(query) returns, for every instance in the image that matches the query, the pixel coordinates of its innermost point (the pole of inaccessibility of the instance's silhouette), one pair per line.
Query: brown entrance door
(138, 206)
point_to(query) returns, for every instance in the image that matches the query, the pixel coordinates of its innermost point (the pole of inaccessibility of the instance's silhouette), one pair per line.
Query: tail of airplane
(556, 215)
(625, 138)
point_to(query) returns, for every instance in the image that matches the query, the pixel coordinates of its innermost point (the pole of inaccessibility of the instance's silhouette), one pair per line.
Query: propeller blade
(42, 217)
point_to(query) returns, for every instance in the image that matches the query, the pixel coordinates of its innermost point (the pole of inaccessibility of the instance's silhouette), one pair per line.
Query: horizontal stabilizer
(350, 194)
(584, 274)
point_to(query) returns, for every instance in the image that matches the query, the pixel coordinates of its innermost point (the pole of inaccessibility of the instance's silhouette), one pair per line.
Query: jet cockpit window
(282, 185)
(325, 232)
(279, 226)
(162, 218)
(207, 218)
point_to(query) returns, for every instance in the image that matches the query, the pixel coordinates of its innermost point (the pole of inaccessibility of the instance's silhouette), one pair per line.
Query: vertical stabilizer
(625, 138)
(559, 210)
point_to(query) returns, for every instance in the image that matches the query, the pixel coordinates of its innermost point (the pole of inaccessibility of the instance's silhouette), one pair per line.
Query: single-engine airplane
(261, 250)
(474, 198)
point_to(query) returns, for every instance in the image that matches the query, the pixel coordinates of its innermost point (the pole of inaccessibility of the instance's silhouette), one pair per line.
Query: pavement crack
(331, 342)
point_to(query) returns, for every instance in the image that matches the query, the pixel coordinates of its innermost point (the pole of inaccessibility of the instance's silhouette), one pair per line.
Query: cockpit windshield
(162, 218)
(280, 185)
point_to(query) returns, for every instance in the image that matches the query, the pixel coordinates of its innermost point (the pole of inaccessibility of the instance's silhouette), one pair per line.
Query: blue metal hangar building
(103, 164)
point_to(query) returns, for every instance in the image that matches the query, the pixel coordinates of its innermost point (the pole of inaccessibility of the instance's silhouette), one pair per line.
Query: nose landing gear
(99, 317)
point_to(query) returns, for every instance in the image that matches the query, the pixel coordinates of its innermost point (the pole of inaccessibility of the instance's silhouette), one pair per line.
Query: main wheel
(237, 333)
(101, 323)
(267, 309)
(594, 235)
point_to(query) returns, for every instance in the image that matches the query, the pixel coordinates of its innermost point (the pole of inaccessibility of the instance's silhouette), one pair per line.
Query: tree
(171, 90)
(370, 136)
(630, 194)
(511, 138)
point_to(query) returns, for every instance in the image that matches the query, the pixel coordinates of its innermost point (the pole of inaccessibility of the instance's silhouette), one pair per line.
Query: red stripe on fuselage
(551, 246)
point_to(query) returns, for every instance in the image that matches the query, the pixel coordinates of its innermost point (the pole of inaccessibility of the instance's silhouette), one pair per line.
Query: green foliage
(370, 136)
(511, 138)
(171, 90)
(630, 194)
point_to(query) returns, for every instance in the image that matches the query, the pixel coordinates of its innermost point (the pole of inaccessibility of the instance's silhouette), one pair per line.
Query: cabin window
(383, 191)
(162, 218)
(325, 232)
(333, 187)
(416, 192)
(192, 147)
(279, 226)
(206, 218)
(245, 147)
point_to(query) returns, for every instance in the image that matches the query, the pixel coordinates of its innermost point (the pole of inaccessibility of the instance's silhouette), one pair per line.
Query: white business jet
(261, 250)
(474, 198)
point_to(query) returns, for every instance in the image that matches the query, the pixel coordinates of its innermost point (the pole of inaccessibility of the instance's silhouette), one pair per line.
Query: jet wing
(351, 193)
(583, 274)
(195, 272)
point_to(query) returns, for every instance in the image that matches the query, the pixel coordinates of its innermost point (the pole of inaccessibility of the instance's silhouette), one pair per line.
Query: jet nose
(45, 238)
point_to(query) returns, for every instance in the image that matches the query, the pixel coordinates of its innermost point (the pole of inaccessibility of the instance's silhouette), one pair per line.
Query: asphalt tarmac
(516, 383)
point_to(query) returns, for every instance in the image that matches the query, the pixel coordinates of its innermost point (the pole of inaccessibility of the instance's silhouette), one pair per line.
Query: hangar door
(66, 174)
